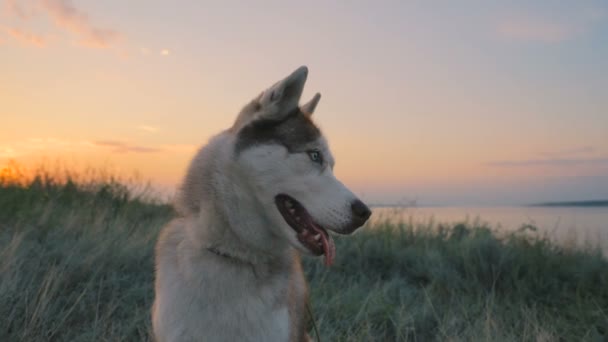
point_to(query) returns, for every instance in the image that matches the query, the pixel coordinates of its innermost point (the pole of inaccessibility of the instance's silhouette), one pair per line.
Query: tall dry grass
(76, 265)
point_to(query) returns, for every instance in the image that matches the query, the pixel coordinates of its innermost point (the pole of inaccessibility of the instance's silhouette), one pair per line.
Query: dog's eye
(315, 156)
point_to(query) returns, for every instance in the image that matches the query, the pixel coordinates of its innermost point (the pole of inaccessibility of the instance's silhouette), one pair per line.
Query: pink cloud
(52, 146)
(540, 27)
(147, 128)
(123, 147)
(65, 15)
(530, 30)
(16, 9)
(26, 38)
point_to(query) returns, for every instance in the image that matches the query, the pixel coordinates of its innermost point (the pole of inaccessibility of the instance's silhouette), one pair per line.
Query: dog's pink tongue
(329, 248)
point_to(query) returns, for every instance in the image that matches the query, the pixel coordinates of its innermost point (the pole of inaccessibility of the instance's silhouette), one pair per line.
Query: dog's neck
(264, 265)
(215, 233)
(225, 214)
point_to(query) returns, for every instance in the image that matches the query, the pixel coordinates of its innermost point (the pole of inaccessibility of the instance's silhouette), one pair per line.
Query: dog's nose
(360, 210)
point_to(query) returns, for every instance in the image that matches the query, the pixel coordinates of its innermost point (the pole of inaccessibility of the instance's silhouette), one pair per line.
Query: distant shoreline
(593, 203)
(589, 203)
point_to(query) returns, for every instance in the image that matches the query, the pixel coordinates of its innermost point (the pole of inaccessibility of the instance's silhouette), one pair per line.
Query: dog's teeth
(292, 210)
(318, 237)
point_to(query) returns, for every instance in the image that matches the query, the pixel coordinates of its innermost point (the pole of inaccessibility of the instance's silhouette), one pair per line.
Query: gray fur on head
(273, 117)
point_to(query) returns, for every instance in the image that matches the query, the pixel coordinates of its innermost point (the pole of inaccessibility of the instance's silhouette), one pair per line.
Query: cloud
(549, 162)
(67, 20)
(19, 148)
(539, 27)
(52, 146)
(525, 30)
(8, 152)
(149, 129)
(67, 16)
(16, 9)
(577, 151)
(26, 38)
(123, 147)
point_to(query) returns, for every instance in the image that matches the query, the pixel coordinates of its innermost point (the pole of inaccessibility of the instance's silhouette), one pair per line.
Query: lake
(568, 225)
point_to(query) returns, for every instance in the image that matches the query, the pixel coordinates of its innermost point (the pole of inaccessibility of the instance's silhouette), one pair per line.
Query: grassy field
(76, 265)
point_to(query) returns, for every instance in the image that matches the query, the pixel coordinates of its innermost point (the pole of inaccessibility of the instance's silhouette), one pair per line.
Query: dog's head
(284, 161)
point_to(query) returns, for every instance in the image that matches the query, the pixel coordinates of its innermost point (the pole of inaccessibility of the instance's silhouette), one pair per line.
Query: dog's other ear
(276, 102)
(309, 108)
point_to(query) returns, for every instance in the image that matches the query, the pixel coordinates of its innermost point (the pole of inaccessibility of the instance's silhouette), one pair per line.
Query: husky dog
(259, 193)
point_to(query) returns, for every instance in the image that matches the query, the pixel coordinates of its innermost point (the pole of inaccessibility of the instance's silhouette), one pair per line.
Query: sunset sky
(442, 102)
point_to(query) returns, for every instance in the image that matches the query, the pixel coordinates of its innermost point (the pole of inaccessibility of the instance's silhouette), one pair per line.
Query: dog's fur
(228, 268)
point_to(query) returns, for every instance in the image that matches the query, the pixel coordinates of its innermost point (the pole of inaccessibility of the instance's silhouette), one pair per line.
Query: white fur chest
(220, 303)
(253, 315)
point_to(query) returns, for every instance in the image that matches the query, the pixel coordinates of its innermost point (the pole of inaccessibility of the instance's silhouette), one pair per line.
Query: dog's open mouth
(310, 234)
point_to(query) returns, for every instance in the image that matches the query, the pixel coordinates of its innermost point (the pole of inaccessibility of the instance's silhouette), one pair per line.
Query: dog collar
(219, 253)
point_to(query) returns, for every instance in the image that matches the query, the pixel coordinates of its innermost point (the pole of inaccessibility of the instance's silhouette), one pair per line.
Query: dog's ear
(283, 97)
(309, 108)
(277, 101)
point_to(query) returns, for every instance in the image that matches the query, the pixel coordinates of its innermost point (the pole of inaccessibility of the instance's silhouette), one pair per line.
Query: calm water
(568, 225)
